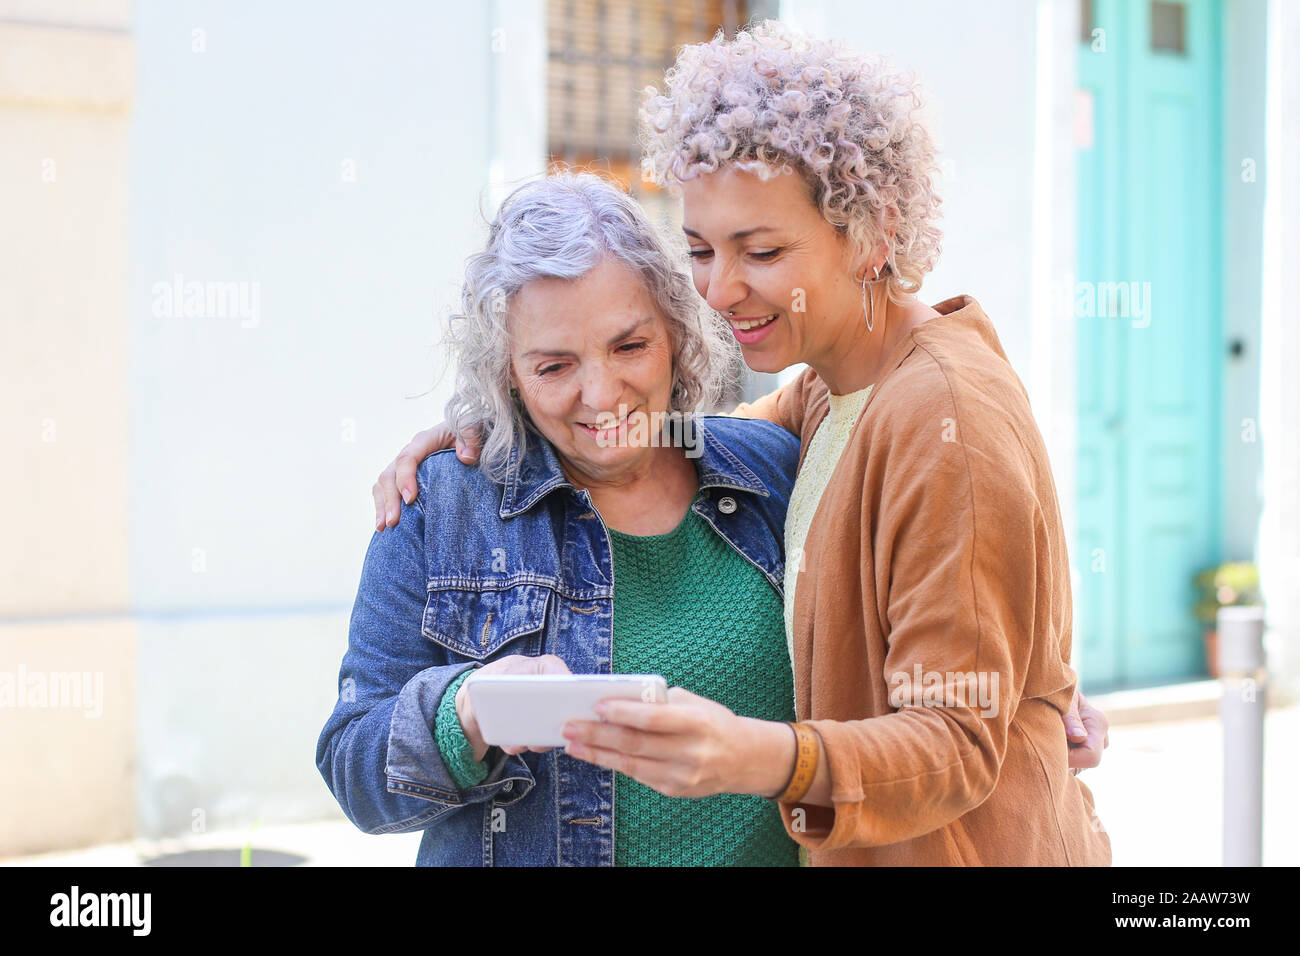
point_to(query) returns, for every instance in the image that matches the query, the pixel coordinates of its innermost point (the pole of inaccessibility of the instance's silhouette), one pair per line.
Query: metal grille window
(601, 55)
(1168, 26)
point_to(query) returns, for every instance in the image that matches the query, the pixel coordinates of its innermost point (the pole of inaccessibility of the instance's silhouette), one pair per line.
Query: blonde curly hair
(773, 98)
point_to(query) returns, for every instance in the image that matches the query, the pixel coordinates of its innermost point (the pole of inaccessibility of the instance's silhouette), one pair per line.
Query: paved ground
(1159, 794)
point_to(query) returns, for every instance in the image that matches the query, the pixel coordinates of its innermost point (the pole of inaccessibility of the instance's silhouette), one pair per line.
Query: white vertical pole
(1242, 674)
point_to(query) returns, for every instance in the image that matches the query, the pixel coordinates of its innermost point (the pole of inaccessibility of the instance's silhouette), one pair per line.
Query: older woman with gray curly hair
(927, 606)
(557, 231)
(580, 346)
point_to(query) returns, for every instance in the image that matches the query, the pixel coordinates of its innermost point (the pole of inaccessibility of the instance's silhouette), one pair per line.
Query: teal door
(1149, 335)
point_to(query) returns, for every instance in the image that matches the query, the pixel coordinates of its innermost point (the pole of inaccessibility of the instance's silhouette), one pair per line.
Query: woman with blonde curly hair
(926, 584)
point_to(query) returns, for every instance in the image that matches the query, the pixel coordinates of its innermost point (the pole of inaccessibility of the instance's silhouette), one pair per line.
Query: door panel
(1149, 356)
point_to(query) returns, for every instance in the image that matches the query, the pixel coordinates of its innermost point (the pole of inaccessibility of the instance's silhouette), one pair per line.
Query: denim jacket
(477, 570)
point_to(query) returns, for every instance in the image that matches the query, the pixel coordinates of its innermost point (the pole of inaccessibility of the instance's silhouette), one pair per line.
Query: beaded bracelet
(805, 764)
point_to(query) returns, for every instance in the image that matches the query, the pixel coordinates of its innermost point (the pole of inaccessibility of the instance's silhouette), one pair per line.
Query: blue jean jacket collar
(538, 473)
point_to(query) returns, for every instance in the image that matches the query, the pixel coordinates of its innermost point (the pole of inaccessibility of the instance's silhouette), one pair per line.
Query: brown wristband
(805, 764)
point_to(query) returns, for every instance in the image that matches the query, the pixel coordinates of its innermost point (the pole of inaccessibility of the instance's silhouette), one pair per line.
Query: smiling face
(588, 351)
(762, 249)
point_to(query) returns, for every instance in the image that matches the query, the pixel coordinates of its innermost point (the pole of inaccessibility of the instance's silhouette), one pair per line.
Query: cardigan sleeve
(956, 554)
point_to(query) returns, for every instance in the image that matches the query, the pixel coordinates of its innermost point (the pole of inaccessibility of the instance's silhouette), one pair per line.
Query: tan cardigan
(932, 618)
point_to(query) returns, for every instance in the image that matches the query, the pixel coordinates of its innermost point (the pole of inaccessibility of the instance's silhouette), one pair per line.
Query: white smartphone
(530, 710)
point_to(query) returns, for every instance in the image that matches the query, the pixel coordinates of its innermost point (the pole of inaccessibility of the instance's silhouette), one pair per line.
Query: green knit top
(690, 607)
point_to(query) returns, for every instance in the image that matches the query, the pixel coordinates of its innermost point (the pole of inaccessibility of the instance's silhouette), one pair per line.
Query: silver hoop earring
(869, 304)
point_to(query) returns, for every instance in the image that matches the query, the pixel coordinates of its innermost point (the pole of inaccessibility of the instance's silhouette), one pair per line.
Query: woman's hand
(688, 747)
(514, 664)
(1087, 731)
(399, 477)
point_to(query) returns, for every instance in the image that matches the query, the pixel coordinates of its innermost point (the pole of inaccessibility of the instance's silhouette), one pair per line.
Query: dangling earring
(869, 304)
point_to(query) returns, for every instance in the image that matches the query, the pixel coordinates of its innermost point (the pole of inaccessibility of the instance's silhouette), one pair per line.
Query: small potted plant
(1233, 583)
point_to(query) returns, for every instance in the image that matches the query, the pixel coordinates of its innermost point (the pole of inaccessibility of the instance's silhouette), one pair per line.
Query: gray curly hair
(561, 227)
(774, 97)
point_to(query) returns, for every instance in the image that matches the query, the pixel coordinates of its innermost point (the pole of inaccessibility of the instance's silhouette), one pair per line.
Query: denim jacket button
(727, 505)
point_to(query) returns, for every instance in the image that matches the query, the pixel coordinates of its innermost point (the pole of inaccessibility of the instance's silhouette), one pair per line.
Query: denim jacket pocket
(478, 623)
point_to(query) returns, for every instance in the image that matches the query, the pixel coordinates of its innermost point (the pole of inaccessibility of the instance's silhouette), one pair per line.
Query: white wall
(1280, 350)
(1246, 175)
(66, 87)
(334, 156)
